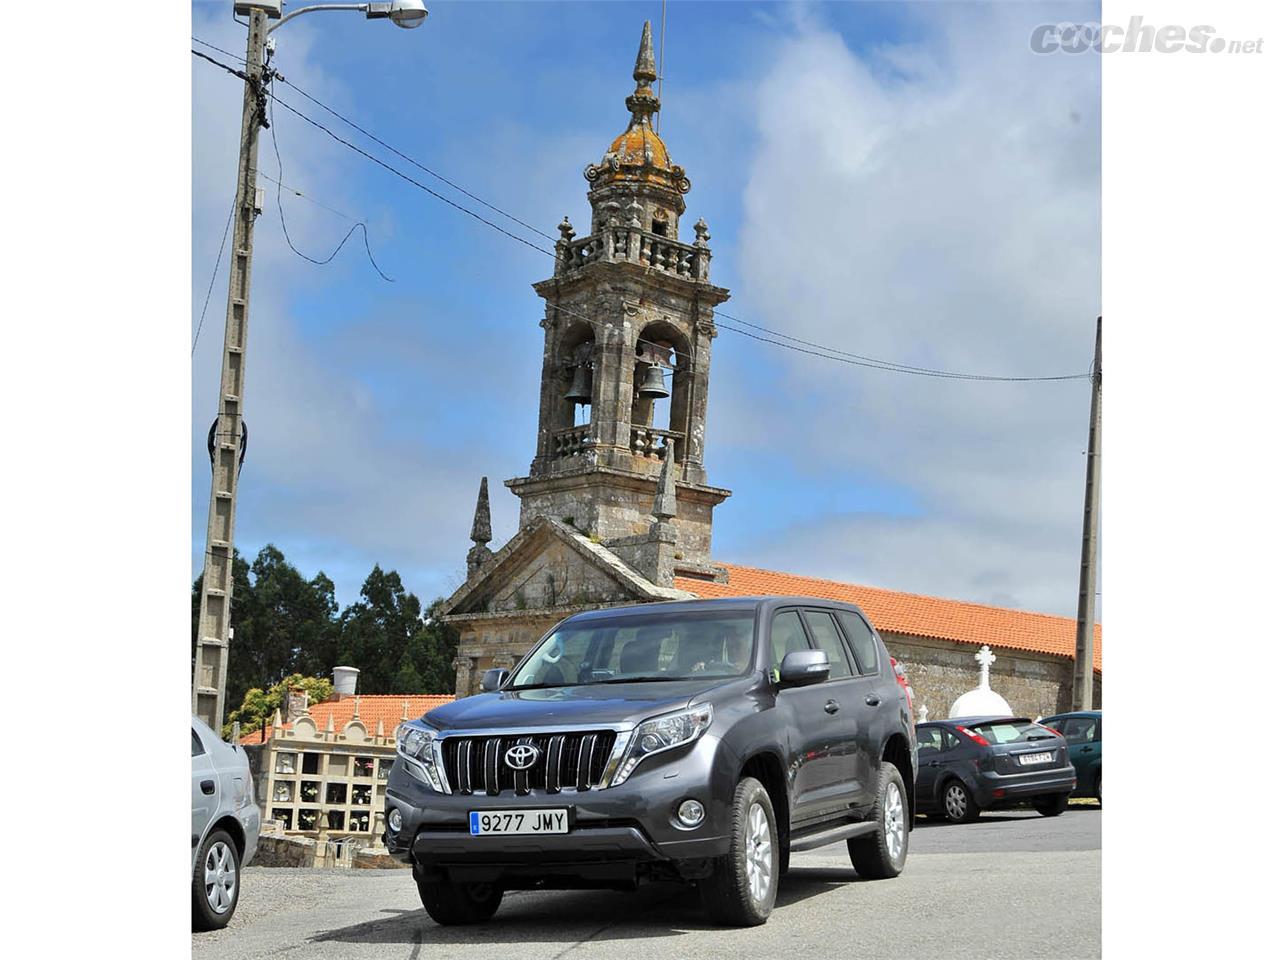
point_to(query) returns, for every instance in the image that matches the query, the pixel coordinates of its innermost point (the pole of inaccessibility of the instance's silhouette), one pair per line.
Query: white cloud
(936, 204)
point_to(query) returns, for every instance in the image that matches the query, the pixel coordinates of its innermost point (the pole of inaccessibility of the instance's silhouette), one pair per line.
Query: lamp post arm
(314, 7)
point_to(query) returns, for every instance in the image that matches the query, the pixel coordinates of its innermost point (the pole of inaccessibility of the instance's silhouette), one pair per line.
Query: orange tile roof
(387, 707)
(911, 613)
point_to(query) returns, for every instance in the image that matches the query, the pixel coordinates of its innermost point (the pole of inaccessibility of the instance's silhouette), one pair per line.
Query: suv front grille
(565, 761)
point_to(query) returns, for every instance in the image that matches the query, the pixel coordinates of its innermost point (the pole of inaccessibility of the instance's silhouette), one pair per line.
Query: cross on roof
(985, 659)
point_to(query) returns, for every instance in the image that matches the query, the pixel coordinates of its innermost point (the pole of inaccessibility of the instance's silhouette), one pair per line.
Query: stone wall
(939, 671)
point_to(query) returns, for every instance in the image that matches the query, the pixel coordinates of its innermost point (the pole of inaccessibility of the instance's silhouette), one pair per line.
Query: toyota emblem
(522, 756)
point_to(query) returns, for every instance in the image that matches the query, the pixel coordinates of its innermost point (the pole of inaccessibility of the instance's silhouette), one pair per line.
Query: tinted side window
(827, 637)
(197, 747)
(949, 740)
(786, 635)
(1078, 729)
(929, 740)
(862, 641)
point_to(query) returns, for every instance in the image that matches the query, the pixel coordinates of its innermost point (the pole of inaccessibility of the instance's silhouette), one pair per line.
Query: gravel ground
(1013, 885)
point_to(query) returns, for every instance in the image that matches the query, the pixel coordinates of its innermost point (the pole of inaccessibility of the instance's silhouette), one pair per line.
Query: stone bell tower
(627, 352)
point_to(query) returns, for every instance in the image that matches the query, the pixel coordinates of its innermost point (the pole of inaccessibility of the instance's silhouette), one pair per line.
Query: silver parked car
(224, 826)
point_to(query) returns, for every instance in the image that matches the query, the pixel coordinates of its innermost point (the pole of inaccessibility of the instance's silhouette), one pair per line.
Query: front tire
(215, 882)
(744, 882)
(957, 803)
(883, 854)
(1050, 806)
(455, 904)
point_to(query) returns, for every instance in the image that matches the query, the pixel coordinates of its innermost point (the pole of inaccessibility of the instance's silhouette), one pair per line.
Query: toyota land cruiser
(698, 741)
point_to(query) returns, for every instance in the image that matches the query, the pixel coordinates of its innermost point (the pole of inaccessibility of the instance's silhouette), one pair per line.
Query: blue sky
(901, 180)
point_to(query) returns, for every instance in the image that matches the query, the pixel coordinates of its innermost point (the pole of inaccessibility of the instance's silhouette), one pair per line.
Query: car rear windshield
(642, 648)
(1011, 731)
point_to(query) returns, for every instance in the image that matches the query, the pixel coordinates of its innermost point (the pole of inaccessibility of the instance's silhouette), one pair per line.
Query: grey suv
(700, 741)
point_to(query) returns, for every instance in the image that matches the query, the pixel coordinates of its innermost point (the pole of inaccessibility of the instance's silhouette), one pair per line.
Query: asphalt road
(1013, 885)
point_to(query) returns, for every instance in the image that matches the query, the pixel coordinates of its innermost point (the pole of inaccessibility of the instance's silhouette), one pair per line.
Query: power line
(425, 169)
(217, 263)
(358, 225)
(787, 342)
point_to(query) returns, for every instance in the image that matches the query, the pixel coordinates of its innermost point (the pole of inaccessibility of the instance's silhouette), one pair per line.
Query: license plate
(1028, 759)
(486, 823)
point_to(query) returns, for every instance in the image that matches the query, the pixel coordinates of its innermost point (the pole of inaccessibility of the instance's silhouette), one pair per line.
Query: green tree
(378, 629)
(259, 706)
(283, 623)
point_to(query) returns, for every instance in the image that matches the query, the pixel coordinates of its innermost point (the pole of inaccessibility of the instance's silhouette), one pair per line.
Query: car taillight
(977, 738)
(903, 682)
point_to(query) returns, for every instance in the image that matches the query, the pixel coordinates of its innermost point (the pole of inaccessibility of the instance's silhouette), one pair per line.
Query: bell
(652, 386)
(580, 390)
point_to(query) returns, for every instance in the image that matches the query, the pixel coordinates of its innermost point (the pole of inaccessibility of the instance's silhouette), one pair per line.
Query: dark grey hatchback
(700, 742)
(971, 764)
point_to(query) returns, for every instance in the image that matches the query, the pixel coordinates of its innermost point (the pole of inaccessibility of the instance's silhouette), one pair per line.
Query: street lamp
(403, 13)
(209, 682)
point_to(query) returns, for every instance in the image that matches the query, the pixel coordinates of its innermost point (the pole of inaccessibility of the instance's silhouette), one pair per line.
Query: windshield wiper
(540, 686)
(653, 679)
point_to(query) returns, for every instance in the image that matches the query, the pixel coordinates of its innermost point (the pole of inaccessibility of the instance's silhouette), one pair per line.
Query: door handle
(935, 763)
(872, 700)
(831, 706)
(1086, 749)
(206, 787)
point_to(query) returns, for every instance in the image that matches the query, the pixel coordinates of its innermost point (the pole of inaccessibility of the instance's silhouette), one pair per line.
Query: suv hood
(588, 704)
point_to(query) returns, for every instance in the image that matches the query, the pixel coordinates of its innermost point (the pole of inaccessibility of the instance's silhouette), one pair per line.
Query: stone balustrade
(632, 244)
(570, 442)
(652, 442)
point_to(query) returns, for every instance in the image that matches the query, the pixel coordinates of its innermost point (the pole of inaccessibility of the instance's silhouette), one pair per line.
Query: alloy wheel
(220, 877)
(759, 853)
(894, 825)
(956, 802)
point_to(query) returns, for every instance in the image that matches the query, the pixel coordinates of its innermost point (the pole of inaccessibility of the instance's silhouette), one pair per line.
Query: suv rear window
(861, 639)
(1011, 731)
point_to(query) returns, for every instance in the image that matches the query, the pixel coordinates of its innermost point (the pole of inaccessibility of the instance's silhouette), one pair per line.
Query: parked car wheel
(1051, 805)
(744, 882)
(883, 854)
(957, 803)
(215, 882)
(453, 904)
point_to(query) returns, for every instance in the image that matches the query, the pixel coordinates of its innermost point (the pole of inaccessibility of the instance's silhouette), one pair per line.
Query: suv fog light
(394, 820)
(691, 813)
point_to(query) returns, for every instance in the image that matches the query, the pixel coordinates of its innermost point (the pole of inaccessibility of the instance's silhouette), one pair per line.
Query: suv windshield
(642, 648)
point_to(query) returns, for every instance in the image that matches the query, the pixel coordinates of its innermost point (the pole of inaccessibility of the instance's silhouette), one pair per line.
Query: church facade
(617, 507)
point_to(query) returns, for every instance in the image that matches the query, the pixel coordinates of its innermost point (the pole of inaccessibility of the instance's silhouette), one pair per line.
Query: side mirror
(800, 668)
(493, 679)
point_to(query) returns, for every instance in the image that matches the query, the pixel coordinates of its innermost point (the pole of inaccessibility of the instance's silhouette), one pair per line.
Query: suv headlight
(666, 732)
(416, 746)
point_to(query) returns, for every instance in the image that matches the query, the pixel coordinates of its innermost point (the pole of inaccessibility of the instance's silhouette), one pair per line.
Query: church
(617, 507)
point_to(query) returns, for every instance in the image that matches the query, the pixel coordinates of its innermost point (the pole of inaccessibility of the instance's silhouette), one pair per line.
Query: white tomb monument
(982, 701)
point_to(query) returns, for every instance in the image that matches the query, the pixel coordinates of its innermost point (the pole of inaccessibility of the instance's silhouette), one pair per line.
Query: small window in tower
(659, 227)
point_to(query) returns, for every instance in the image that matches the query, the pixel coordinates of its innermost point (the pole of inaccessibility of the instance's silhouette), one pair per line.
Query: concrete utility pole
(209, 682)
(1082, 677)
(209, 685)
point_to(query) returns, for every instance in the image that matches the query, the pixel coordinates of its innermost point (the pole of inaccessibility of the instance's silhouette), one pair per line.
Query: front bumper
(995, 788)
(614, 833)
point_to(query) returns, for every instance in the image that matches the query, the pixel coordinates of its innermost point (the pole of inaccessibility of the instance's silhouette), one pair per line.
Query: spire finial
(643, 104)
(646, 71)
(664, 503)
(481, 528)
